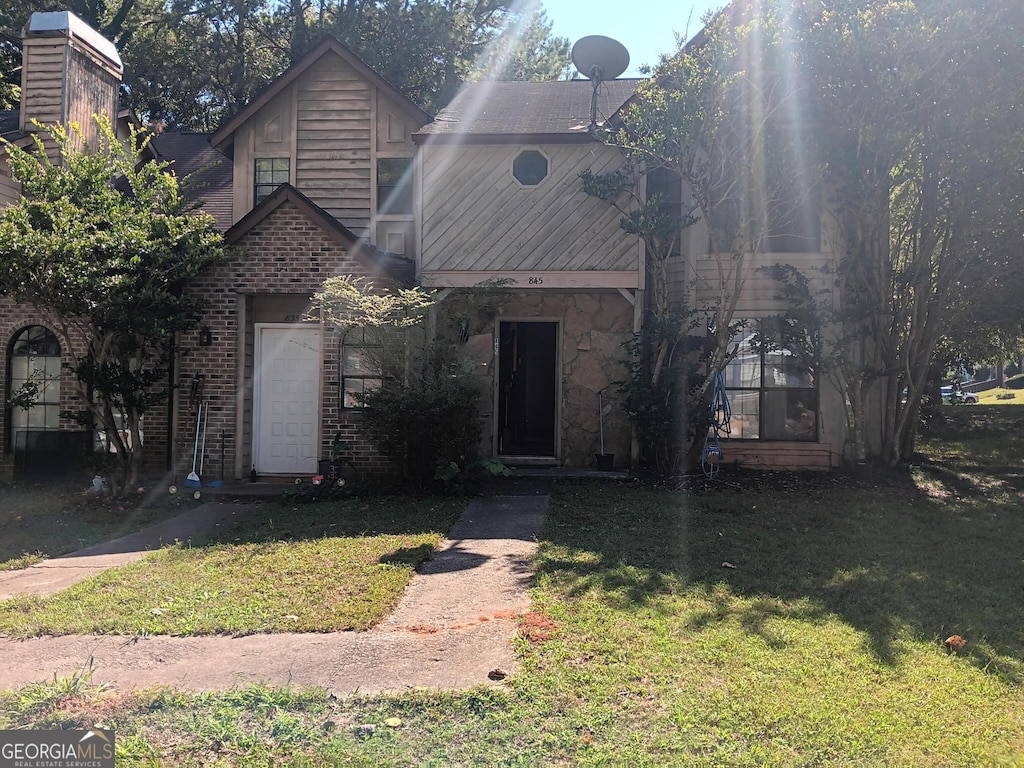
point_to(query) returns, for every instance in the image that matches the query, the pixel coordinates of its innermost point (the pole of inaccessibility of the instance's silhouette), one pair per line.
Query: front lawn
(41, 520)
(1001, 397)
(768, 620)
(314, 568)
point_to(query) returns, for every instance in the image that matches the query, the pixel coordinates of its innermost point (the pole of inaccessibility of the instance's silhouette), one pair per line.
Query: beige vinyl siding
(476, 216)
(761, 293)
(334, 134)
(679, 277)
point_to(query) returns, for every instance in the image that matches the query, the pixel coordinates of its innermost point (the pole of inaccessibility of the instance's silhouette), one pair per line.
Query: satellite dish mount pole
(595, 81)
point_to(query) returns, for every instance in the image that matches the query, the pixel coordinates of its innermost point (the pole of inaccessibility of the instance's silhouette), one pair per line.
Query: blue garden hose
(719, 428)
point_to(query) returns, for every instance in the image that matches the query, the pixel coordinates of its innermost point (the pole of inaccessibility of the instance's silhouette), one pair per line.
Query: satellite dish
(599, 58)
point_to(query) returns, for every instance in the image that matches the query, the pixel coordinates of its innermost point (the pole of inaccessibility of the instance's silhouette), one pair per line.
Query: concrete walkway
(52, 576)
(452, 627)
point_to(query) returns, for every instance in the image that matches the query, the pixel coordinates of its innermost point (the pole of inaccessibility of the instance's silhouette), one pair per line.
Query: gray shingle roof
(560, 107)
(191, 153)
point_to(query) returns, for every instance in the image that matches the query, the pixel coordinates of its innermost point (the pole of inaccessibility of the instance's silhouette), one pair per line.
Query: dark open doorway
(528, 388)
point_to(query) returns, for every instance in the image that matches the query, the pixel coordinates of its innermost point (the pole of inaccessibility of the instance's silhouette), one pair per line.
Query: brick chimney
(69, 73)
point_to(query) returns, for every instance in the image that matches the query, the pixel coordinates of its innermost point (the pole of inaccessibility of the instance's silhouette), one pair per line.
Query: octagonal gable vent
(530, 167)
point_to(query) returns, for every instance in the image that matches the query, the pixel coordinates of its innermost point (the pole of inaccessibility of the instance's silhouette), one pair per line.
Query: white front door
(286, 391)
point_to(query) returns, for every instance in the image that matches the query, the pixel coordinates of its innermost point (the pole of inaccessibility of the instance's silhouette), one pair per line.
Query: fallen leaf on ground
(955, 644)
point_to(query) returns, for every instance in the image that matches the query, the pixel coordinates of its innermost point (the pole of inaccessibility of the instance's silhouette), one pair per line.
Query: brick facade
(14, 318)
(276, 266)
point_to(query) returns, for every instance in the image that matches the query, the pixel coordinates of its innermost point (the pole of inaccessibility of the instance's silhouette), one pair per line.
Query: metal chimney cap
(66, 24)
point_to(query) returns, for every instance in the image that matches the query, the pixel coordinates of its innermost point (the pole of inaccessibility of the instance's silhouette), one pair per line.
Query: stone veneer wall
(594, 326)
(286, 257)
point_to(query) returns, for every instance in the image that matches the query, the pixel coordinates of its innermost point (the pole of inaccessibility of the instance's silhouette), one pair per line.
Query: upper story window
(793, 227)
(394, 185)
(772, 389)
(530, 168)
(271, 172)
(666, 187)
(788, 222)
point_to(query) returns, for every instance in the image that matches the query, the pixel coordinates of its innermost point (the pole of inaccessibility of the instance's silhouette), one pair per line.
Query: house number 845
(535, 280)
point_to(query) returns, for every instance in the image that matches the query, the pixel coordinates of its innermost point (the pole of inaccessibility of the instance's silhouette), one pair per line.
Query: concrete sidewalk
(452, 627)
(52, 576)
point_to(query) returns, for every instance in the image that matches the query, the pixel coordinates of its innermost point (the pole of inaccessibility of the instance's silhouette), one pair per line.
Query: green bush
(430, 421)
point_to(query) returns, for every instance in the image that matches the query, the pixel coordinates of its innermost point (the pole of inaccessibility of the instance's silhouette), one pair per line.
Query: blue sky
(646, 27)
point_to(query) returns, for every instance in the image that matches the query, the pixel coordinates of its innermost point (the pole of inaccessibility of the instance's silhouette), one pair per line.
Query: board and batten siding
(476, 216)
(334, 135)
(65, 84)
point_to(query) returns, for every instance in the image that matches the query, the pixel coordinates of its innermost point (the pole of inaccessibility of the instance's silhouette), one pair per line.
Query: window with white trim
(530, 167)
(788, 223)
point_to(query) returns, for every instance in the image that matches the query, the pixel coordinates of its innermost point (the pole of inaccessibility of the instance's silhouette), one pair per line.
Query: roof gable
(224, 136)
(376, 261)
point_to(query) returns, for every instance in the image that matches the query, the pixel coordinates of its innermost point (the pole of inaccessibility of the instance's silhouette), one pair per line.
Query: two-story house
(501, 202)
(330, 170)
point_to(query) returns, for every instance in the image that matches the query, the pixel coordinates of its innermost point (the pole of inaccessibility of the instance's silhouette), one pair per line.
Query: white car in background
(964, 397)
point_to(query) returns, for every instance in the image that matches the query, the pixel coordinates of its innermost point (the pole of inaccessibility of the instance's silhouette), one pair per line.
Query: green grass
(315, 568)
(1001, 397)
(42, 521)
(26, 560)
(821, 646)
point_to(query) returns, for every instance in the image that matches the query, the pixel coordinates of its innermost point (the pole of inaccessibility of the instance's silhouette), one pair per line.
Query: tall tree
(426, 48)
(191, 63)
(917, 114)
(103, 247)
(710, 124)
(526, 50)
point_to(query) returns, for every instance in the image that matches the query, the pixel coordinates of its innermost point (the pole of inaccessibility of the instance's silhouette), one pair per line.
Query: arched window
(34, 370)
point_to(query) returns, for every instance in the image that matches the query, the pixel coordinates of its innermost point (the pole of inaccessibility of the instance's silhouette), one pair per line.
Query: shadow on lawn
(370, 516)
(889, 554)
